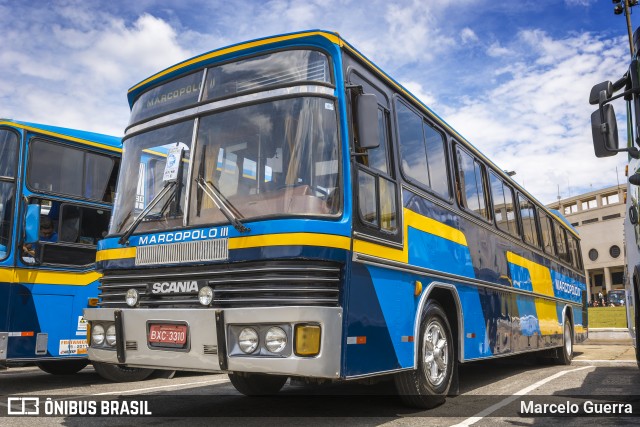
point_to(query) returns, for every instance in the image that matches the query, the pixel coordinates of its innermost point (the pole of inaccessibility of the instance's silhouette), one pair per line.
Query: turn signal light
(307, 341)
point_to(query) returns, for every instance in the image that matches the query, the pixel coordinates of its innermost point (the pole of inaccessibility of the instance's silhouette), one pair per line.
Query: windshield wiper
(223, 205)
(169, 187)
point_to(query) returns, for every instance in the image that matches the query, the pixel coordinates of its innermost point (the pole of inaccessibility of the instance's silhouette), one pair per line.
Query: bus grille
(174, 253)
(272, 284)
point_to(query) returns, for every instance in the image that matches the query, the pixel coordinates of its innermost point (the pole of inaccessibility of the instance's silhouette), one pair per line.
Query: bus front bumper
(204, 350)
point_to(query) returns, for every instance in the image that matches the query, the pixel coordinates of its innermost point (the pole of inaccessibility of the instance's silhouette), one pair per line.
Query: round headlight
(205, 295)
(111, 335)
(248, 340)
(97, 335)
(132, 297)
(275, 340)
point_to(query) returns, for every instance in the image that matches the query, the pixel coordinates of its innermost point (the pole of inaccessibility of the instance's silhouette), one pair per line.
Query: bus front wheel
(62, 367)
(427, 386)
(257, 384)
(121, 374)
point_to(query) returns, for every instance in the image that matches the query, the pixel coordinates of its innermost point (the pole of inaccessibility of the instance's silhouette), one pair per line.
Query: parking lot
(488, 390)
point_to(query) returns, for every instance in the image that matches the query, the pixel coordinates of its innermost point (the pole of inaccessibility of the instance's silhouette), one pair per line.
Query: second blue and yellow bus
(56, 184)
(287, 209)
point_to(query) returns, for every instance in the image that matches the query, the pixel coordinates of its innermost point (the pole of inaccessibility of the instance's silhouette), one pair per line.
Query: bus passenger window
(528, 216)
(503, 208)
(422, 151)
(471, 181)
(561, 243)
(547, 235)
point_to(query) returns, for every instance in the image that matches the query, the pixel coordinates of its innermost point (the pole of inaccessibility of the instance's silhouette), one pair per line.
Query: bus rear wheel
(62, 367)
(565, 354)
(121, 374)
(427, 386)
(251, 384)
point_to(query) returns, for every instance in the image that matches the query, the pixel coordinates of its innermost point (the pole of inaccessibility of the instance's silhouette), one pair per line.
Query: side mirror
(367, 121)
(605, 134)
(594, 96)
(32, 224)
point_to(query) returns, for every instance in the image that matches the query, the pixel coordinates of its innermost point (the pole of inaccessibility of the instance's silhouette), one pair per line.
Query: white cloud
(496, 50)
(468, 36)
(579, 2)
(536, 120)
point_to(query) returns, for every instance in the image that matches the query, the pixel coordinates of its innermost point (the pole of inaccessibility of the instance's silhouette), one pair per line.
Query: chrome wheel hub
(435, 351)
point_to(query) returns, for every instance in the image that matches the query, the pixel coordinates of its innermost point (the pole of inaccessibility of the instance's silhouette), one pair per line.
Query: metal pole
(627, 13)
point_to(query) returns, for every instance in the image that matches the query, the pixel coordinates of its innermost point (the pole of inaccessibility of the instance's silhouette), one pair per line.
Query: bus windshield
(276, 158)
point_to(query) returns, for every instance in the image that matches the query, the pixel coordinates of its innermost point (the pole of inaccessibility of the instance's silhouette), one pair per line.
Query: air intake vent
(210, 349)
(207, 250)
(131, 345)
(236, 285)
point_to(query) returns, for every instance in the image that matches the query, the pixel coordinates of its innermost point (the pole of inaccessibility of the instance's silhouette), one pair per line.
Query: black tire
(257, 384)
(62, 367)
(121, 374)
(564, 355)
(427, 386)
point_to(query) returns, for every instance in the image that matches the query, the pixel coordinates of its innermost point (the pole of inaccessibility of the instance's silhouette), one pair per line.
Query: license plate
(168, 334)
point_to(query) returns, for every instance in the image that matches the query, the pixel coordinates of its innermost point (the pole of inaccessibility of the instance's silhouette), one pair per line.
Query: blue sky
(512, 76)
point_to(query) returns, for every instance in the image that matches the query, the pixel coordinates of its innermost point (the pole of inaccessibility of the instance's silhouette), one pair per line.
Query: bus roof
(333, 37)
(99, 140)
(562, 218)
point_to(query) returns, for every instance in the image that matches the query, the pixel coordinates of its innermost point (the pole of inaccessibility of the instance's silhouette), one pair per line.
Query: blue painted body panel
(29, 303)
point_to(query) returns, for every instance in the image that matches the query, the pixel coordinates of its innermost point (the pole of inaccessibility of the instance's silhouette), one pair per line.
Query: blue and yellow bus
(604, 130)
(309, 217)
(56, 194)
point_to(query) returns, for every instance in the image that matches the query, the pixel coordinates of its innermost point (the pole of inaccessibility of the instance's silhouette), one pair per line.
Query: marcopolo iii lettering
(184, 287)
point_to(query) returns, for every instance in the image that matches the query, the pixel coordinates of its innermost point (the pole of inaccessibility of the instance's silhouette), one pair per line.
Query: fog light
(97, 335)
(307, 341)
(132, 297)
(275, 340)
(205, 295)
(248, 340)
(111, 335)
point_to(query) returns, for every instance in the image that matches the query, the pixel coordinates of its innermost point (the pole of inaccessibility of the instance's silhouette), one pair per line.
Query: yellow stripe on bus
(46, 277)
(541, 284)
(62, 136)
(244, 242)
(413, 220)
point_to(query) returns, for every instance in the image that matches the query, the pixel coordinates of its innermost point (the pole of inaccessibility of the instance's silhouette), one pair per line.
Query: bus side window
(561, 243)
(547, 234)
(503, 208)
(422, 151)
(528, 217)
(574, 250)
(471, 181)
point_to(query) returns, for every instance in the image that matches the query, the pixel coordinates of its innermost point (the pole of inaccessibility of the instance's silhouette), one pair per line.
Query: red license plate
(168, 334)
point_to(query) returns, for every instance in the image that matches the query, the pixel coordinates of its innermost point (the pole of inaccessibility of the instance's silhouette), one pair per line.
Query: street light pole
(627, 14)
(620, 7)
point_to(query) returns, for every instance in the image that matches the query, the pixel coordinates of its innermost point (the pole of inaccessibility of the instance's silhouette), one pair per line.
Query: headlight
(111, 335)
(205, 295)
(275, 340)
(97, 335)
(248, 340)
(132, 297)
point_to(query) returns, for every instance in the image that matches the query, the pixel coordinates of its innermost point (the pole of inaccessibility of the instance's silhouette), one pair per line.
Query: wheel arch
(447, 296)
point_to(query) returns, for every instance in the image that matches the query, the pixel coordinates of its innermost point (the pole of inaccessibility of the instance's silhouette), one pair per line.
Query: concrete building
(599, 216)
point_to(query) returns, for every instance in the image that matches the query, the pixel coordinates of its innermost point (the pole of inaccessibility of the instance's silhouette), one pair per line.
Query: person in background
(47, 233)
